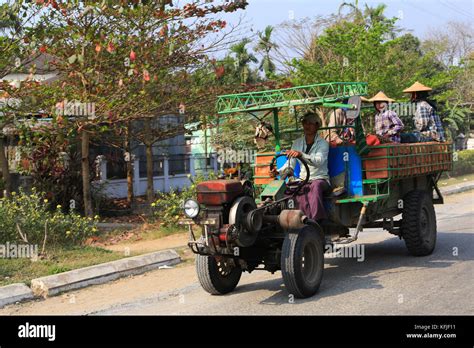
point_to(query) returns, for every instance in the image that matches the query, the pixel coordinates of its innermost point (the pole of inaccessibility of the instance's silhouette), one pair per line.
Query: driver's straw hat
(311, 117)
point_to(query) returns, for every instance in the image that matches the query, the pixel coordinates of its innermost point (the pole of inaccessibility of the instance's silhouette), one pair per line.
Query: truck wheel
(419, 223)
(302, 261)
(217, 277)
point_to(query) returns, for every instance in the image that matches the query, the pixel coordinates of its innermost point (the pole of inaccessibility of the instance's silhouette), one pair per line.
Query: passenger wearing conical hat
(387, 123)
(427, 123)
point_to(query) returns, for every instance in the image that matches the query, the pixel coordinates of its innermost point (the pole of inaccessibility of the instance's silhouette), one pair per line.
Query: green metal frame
(328, 95)
(286, 97)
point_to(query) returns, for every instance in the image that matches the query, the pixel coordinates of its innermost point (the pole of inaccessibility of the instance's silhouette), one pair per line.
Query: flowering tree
(121, 61)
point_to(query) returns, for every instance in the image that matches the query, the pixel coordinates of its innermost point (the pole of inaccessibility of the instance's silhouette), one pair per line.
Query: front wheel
(217, 277)
(419, 223)
(302, 261)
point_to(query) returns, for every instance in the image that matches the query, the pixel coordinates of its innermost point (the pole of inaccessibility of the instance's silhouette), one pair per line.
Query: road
(388, 281)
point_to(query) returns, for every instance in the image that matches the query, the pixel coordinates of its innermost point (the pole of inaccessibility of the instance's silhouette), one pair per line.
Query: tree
(242, 59)
(347, 51)
(15, 29)
(266, 45)
(452, 50)
(296, 40)
(450, 45)
(131, 61)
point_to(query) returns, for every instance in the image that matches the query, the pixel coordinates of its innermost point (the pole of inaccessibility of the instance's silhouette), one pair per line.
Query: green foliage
(453, 93)
(265, 45)
(168, 207)
(242, 59)
(362, 48)
(365, 46)
(464, 163)
(54, 161)
(31, 215)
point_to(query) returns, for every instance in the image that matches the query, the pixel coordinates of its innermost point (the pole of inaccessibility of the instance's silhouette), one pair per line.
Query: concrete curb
(14, 293)
(452, 189)
(102, 273)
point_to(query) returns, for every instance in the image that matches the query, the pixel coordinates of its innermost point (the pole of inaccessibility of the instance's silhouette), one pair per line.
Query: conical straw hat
(381, 96)
(417, 87)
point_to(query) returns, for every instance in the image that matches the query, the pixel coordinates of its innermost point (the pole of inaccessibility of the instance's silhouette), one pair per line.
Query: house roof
(45, 71)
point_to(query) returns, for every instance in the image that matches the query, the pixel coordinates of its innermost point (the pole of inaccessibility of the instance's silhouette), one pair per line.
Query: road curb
(102, 273)
(451, 190)
(14, 293)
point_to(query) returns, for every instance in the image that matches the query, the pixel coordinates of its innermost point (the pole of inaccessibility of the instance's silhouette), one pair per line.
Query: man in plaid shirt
(387, 123)
(427, 123)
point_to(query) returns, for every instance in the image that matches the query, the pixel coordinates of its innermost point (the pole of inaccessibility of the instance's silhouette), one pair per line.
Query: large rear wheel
(302, 261)
(217, 277)
(419, 223)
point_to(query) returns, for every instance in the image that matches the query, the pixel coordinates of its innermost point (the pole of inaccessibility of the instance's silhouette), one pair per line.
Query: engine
(231, 204)
(218, 192)
(231, 218)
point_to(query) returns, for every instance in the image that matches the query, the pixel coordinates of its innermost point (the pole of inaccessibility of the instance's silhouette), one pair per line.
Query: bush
(168, 207)
(28, 216)
(464, 163)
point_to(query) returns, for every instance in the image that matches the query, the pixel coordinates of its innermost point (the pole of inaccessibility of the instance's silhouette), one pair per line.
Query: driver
(314, 150)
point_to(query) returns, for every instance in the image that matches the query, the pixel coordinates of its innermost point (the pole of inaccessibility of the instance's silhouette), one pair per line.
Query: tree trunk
(322, 116)
(86, 184)
(4, 168)
(150, 190)
(129, 167)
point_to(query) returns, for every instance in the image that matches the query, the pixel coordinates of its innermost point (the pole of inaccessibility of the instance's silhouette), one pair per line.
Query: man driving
(314, 150)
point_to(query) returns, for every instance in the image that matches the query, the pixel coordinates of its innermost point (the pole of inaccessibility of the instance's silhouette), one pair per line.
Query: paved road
(388, 281)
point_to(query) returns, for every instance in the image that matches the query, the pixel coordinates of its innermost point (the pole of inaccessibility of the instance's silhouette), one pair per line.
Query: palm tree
(368, 16)
(375, 14)
(242, 59)
(355, 12)
(8, 20)
(265, 45)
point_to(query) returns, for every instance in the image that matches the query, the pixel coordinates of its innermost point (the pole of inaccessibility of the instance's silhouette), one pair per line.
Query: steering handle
(299, 185)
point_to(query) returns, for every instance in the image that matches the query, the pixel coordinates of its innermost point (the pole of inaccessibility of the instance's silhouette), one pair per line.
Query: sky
(416, 15)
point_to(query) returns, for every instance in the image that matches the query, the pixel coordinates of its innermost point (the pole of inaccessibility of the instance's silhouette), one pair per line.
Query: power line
(425, 10)
(449, 6)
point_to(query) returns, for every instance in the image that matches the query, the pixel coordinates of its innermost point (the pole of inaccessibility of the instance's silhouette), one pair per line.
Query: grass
(160, 232)
(187, 256)
(57, 261)
(150, 232)
(444, 181)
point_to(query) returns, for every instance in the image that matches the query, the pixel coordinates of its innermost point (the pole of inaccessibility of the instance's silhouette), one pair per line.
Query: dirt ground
(142, 246)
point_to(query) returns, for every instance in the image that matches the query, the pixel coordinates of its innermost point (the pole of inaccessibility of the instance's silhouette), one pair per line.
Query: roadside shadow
(390, 256)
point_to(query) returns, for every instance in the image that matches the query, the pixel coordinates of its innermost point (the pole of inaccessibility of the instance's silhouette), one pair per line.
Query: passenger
(388, 125)
(314, 150)
(340, 135)
(427, 123)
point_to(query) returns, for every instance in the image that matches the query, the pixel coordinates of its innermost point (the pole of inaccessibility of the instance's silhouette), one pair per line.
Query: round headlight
(191, 208)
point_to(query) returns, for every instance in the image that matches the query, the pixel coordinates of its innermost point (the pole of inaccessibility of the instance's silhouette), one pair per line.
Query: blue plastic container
(352, 167)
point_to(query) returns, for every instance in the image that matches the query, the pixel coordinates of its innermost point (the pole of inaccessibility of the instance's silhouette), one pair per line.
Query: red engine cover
(218, 192)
